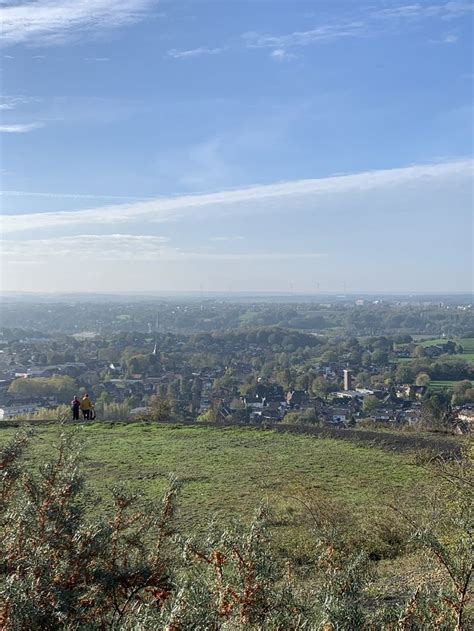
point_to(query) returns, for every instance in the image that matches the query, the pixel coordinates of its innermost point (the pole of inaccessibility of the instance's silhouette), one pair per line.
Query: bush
(60, 568)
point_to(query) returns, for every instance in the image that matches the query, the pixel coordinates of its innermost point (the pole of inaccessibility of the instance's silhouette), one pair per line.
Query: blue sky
(264, 145)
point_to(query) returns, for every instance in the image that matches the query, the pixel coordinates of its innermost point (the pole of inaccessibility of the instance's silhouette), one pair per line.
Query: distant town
(333, 362)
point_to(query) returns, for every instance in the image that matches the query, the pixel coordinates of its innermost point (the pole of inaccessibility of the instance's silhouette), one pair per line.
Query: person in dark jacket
(75, 405)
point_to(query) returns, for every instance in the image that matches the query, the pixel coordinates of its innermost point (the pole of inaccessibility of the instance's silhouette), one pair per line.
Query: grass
(442, 385)
(467, 344)
(435, 342)
(229, 472)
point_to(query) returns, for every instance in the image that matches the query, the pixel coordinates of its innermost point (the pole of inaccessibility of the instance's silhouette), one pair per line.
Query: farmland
(440, 385)
(466, 343)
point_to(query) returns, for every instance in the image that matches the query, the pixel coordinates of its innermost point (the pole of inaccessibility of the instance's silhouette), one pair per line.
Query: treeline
(452, 368)
(210, 315)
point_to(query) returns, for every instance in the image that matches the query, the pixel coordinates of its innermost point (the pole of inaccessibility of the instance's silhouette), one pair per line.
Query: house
(416, 392)
(410, 391)
(466, 414)
(262, 395)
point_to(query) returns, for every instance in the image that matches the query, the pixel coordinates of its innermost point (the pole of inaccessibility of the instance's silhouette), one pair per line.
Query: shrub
(58, 567)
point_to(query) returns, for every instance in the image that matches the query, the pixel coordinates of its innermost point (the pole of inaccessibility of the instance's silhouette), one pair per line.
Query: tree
(419, 352)
(103, 399)
(174, 389)
(422, 379)
(370, 404)
(138, 364)
(463, 392)
(329, 357)
(196, 388)
(160, 409)
(302, 382)
(321, 387)
(404, 373)
(380, 357)
(61, 387)
(435, 412)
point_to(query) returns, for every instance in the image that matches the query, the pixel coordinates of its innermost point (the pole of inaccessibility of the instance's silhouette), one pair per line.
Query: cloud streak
(20, 128)
(50, 21)
(281, 55)
(125, 247)
(194, 52)
(237, 201)
(303, 38)
(12, 101)
(417, 10)
(69, 195)
(367, 22)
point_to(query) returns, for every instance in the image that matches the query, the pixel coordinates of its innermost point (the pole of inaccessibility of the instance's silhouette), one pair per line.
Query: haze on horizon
(236, 147)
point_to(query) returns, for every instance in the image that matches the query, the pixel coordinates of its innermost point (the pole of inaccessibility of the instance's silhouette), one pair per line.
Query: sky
(261, 145)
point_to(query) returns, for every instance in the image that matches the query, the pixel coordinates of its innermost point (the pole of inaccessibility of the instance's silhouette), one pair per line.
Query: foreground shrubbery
(62, 568)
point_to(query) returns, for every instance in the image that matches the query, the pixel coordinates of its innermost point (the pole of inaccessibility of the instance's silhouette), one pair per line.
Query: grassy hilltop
(229, 472)
(356, 535)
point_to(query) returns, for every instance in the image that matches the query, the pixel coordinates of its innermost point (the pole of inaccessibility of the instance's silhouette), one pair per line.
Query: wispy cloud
(449, 39)
(419, 10)
(68, 195)
(194, 52)
(125, 247)
(52, 21)
(363, 23)
(227, 238)
(200, 167)
(281, 55)
(20, 128)
(254, 199)
(108, 247)
(12, 101)
(368, 22)
(303, 38)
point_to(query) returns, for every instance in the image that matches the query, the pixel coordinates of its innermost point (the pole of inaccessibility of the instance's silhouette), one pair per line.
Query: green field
(434, 342)
(442, 385)
(229, 472)
(467, 344)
